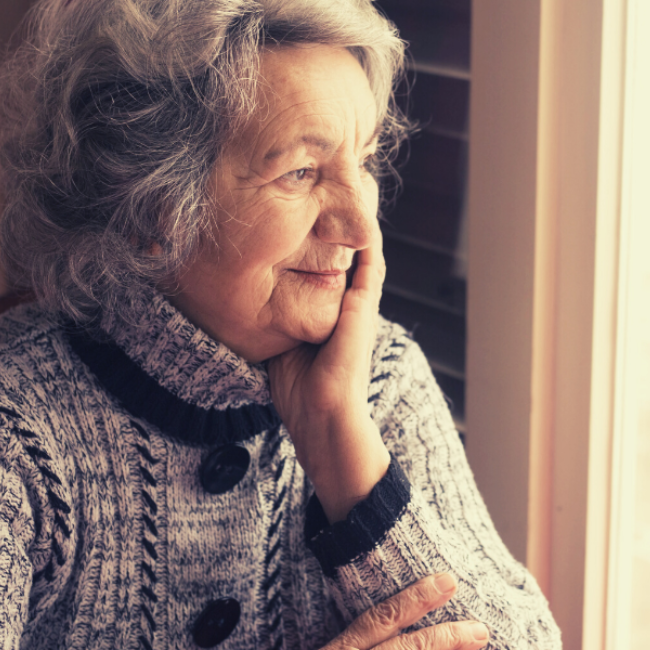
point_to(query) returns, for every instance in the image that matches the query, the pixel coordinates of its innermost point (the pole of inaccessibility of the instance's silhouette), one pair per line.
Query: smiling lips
(333, 279)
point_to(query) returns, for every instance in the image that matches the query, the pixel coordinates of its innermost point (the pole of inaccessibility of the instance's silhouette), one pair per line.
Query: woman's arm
(396, 486)
(321, 393)
(426, 516)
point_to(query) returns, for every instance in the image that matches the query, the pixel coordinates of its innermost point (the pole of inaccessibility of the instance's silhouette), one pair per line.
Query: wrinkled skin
(380, 626)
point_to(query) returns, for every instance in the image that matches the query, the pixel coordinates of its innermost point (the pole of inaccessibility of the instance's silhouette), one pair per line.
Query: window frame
(544, 290)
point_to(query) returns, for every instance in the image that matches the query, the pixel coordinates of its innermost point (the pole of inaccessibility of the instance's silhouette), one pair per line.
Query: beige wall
(501, 257)
(545, 126)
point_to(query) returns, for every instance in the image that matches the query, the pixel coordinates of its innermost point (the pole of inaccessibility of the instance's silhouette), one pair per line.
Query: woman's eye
(369, 163)
(298, 176)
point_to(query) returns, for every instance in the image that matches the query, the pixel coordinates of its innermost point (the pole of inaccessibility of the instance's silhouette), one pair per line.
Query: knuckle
(387, 613)
(447, 635)
(424, 591)
(413, 641)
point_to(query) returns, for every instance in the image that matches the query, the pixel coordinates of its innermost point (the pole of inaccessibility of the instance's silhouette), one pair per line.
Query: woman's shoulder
(389, 332)
(32, 355)
(394, 344)
(398, 361)
(400, 369)
(24, 324)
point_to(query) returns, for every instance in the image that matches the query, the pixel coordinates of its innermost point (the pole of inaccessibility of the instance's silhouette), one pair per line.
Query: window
(628, 600)
(558, 230)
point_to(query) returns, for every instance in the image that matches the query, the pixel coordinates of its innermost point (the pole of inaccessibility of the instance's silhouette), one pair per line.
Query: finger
(371, 267)
(364, 294)
(464, 635)
(387, 619)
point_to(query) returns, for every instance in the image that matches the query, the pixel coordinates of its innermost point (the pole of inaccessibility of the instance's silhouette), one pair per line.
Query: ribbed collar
(169, 372)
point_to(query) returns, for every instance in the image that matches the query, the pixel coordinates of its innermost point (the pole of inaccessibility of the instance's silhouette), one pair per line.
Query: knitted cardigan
(108, 539)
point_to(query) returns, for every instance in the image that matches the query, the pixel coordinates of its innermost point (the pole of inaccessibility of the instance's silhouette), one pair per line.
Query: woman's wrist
(346, 476)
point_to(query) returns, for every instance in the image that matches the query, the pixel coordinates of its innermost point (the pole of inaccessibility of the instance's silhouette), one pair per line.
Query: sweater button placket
(220, 471)
(223, 468)
(216, 622)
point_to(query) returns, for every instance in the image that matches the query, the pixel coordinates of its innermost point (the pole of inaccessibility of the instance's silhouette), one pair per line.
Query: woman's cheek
(312, 207)
(298, 216)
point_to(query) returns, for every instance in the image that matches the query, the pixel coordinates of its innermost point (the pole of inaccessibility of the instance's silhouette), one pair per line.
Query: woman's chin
(317, 327)
(306, 323)
(318, 334)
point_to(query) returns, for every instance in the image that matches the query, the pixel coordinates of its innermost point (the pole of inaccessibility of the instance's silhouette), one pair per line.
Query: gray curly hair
(113, 114)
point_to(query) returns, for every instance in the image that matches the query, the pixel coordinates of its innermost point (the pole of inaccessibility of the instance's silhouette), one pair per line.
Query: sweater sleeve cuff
(364, 528)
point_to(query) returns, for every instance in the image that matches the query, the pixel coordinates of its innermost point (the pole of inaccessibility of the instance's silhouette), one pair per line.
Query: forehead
(316, 95)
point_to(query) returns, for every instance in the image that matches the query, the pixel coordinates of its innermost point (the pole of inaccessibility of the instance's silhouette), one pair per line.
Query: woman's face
(295, 201)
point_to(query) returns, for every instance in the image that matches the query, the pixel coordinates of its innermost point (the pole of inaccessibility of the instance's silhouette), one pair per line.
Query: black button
(216, 622)
(223, 468)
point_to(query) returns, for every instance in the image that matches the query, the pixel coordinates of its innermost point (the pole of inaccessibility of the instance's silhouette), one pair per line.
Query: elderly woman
(208, 436)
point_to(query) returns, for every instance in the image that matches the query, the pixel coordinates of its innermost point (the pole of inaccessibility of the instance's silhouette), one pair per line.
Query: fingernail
(479, 631)
(445, 583)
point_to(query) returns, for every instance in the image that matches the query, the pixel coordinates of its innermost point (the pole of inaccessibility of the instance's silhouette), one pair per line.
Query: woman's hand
(380, 626)
(321, 393)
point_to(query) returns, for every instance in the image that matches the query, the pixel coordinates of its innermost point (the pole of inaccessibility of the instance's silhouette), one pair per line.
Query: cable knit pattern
(109, 540)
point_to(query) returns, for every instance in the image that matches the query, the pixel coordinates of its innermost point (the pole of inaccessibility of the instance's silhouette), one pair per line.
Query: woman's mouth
(333, 279)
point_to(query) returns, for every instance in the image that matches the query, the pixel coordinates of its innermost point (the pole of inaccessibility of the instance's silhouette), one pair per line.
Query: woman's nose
(348, 216)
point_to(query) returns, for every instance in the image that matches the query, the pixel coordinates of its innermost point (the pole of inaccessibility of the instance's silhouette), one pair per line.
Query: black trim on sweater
(150, 555)
(365, 527)
(145, 398)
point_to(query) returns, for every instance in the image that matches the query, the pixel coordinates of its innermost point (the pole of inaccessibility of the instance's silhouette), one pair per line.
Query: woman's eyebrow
(325, 144)
(313, 140)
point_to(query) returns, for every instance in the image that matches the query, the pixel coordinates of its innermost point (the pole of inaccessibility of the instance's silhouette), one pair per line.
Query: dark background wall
(11, 11)
(425, 234)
